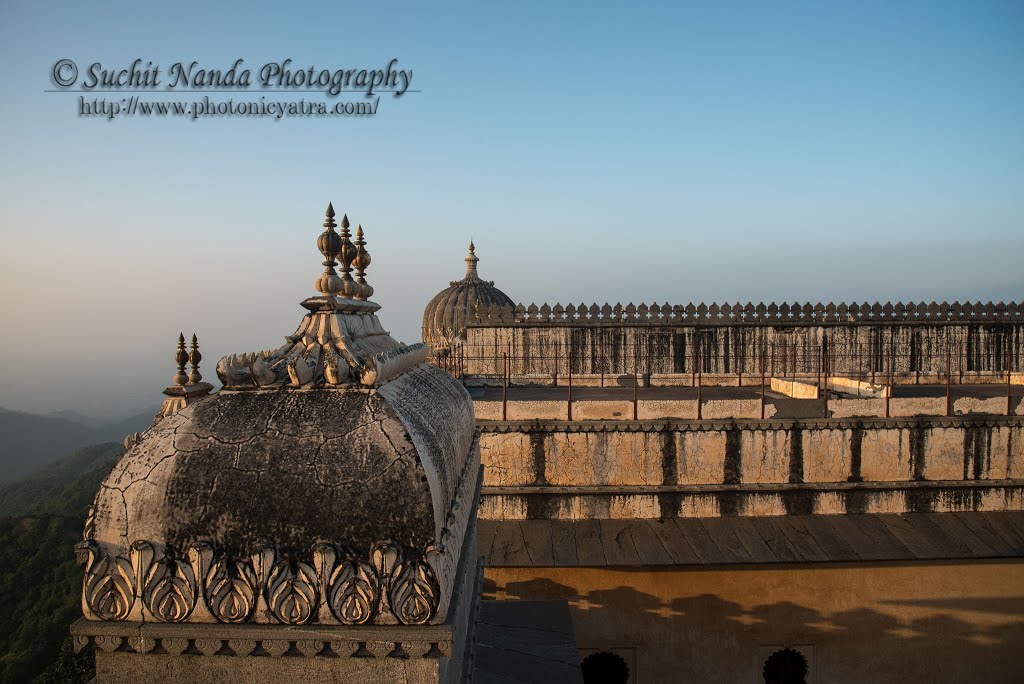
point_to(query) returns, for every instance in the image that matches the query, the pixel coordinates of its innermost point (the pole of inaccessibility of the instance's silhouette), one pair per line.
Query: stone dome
(330, 480)
(444, 318)
(244, 469)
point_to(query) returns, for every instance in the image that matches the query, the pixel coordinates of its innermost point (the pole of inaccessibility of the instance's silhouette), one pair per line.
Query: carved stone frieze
(108, 589)
(329, 586)
(291, 590)
(231, 589)
(413, 592)
(171, 589)
(352, 589)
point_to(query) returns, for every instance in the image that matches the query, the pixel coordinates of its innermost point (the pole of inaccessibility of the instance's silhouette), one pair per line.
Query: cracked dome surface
(293, 467)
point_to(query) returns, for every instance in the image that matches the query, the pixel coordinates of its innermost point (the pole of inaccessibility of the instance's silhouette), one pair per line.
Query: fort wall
(551, 469)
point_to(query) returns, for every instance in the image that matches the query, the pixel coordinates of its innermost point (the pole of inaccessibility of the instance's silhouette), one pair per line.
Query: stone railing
(734, 314)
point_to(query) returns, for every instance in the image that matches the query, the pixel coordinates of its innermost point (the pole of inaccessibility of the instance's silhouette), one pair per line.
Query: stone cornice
(430, 641)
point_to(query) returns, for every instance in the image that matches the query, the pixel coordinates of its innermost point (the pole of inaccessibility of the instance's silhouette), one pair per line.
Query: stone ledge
(729, 501)
(618, 490)
(683, 425)
(773, 540)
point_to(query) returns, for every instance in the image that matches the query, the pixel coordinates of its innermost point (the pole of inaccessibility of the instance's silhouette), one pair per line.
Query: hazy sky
(634, 152)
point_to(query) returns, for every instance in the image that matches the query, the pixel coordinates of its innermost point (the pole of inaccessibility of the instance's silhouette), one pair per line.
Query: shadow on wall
(707, 639)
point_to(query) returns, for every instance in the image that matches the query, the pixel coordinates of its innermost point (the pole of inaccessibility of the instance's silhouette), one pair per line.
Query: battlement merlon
(746, 314)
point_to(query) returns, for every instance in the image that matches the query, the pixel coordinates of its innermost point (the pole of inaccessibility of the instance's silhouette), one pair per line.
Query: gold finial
(347, 254)
(361, 262)
(181, 358)
(471, 261)
(329, 243)
(194, 357)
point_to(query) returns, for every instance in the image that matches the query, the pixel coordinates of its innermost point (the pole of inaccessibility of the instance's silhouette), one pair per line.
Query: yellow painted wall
(857, 623)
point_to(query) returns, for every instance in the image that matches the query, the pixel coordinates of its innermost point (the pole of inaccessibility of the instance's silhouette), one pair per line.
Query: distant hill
(58, 487)
(41, 519)
(29, 442)
(80, 418)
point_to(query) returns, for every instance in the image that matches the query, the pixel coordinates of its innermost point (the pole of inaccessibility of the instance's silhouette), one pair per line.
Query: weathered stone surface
(756, 456)
(438, 418)
(824, 455)
(250, 468)
(499, 507)
(917, 406)
(602, 458)
(503, 460)
(701, 458)
(847, 408)
(602, 410)
(668, 468)
(654, 409)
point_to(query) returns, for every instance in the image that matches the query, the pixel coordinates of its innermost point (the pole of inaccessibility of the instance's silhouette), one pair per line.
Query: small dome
(444, 318)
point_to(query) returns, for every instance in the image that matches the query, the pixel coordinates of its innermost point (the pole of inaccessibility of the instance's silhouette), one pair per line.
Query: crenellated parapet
(740, 314)
(547, 342)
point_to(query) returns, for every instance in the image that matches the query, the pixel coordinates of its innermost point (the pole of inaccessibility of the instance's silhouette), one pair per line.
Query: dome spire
(471, 261)
(361, 263)
(181, 358)
(347, 255)
(342, 286)
(186, 387)
(194, 357)
(329, 243)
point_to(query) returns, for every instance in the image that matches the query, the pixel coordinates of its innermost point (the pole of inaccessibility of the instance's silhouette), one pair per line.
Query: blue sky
(595, 152)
